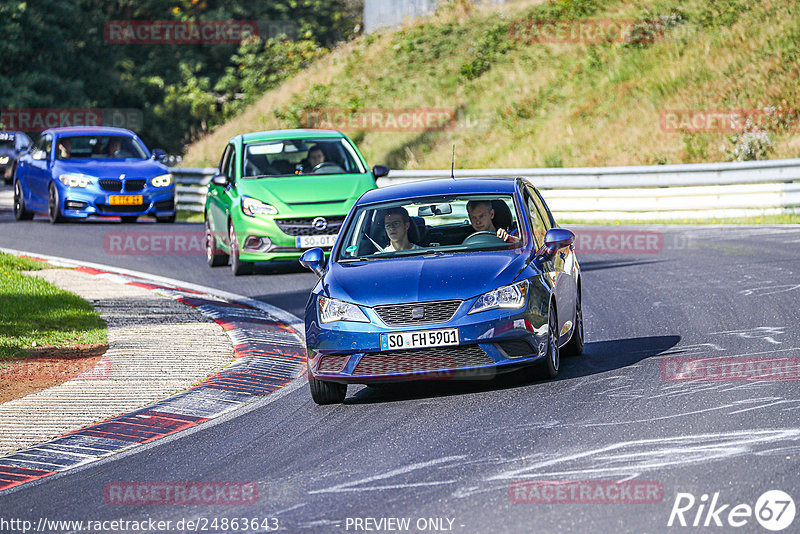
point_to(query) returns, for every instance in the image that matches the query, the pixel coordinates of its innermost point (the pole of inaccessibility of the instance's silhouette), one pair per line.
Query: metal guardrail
(607, 193)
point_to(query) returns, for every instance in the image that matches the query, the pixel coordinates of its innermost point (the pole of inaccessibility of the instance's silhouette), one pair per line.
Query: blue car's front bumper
(489, 342)
(81, 202)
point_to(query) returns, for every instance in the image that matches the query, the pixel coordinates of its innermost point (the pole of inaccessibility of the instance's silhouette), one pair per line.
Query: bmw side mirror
(38, 155)
(159, 154)
(555, 239)
(220, 180)
(314, 260)
(379, 171)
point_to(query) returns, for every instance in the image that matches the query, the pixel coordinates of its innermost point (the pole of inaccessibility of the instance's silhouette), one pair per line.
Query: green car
(281, 192)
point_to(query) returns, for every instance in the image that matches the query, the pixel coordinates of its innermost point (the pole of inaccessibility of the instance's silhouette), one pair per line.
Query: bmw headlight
(3, 160)
(75, 180)
(513, 296)
(253, 207)
(331, 310)
(164, 180)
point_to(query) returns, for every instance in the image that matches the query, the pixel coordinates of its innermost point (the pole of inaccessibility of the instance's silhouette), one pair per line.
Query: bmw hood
(423, 278)
(132, 168)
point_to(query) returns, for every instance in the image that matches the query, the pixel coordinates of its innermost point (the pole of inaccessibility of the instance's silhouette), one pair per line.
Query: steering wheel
(483, 236)
(326, 164)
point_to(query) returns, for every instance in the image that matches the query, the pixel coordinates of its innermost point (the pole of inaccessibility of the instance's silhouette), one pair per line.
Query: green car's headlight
(165, 180)
(512, 297)
(331, 310)
(75, 180)
(252, 207)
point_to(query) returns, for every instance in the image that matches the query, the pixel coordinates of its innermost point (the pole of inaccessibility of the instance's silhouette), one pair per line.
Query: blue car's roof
(443, 186)
(89, 130)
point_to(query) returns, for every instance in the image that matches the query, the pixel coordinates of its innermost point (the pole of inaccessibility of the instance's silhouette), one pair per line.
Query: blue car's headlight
(75, 180)
(3, 160)
(253, 207)
(331, 310)
(165, 180)
(513, 296)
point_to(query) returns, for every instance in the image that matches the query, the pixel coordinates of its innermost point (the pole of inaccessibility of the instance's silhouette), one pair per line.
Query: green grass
(35, 313)
(189, 216)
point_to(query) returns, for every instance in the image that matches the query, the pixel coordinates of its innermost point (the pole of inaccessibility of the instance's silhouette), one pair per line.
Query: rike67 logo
(774, 510)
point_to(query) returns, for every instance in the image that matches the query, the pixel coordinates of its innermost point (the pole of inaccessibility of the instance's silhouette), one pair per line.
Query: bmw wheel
(238, 266)
(215, 256)
(20, 212)
(54, 206)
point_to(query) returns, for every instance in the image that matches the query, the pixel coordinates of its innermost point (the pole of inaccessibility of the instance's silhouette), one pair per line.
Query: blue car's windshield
(99, 147)
(446, 224)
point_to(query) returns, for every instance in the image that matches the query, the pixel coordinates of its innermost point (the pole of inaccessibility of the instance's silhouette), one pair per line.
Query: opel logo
(320, 223)
(418, 313)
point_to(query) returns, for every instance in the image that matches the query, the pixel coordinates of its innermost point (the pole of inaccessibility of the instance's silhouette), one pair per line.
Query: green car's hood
(298, 190)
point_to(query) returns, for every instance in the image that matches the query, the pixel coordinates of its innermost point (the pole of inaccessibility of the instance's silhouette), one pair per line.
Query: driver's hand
(505, 236)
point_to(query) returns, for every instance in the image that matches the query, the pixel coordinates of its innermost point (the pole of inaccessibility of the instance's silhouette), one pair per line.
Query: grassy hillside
(522, 103)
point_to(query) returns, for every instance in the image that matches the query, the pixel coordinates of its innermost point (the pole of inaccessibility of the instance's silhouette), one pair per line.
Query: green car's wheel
(238, 266)
(215, 256)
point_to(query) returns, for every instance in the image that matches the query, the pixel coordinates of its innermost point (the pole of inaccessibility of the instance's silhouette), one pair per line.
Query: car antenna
(453, 163)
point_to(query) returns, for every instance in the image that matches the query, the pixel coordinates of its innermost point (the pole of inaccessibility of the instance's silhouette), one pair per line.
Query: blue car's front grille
(135, 185)
(418, 312)
(421, 360)
(110, 184)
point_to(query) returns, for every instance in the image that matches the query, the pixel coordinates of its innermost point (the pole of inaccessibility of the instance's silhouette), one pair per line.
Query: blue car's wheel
(326, 392)
(575, 345)
(553, 359)
(20, 212)
(54, 206)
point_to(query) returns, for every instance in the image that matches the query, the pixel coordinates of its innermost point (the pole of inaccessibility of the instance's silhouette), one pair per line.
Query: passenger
(64, 148)
(397, 222)
(481, 214)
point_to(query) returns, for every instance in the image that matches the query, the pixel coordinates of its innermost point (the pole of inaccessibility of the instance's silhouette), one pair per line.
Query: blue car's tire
(575, 345)
(54, 206)
(20, 212)
(553, 358)
(238, 266)
(323, 392)
(129, 219)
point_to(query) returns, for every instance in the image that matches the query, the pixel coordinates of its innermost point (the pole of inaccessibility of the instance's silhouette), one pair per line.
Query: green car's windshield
(300, 157)
(444, 224)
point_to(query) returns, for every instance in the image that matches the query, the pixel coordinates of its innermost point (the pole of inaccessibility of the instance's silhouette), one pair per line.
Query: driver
(315, 157)
(64, 148)
(481, 214)
(114, 147)
(396, 221)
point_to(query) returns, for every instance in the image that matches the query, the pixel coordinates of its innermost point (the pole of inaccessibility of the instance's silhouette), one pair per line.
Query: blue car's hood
(423, 278)
(109, 168)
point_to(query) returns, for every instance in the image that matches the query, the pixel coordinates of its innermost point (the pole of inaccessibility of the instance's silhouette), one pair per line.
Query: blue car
(12, 144)
(72, 173)
(442, 279)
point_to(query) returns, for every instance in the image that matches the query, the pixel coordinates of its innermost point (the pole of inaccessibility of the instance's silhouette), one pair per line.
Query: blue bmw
(72, 173)
(442, 279)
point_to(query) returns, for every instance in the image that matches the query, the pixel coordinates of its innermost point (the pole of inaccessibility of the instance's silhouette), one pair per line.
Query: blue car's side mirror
(554, 239)
(159, 154)
(314, 260)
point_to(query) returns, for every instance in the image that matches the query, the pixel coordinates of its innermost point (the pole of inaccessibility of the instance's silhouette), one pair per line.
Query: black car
(12, 144)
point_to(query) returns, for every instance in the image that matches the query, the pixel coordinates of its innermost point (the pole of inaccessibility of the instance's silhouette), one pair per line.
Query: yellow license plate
(125, 200)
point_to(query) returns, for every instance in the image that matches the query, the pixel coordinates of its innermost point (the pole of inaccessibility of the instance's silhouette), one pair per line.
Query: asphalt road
(451, 450)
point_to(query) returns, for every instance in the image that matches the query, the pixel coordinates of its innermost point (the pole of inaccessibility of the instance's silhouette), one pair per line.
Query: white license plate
(419, 339)
(313, 241)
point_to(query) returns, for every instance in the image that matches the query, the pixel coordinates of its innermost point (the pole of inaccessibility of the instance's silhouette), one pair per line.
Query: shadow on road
(598, 357)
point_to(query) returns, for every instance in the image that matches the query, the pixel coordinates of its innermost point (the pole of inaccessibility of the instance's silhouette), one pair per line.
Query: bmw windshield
(442, 224)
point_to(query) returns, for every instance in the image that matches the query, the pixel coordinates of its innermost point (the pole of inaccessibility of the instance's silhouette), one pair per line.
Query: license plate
(419, 339)
(313, 241)
(125, 200)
